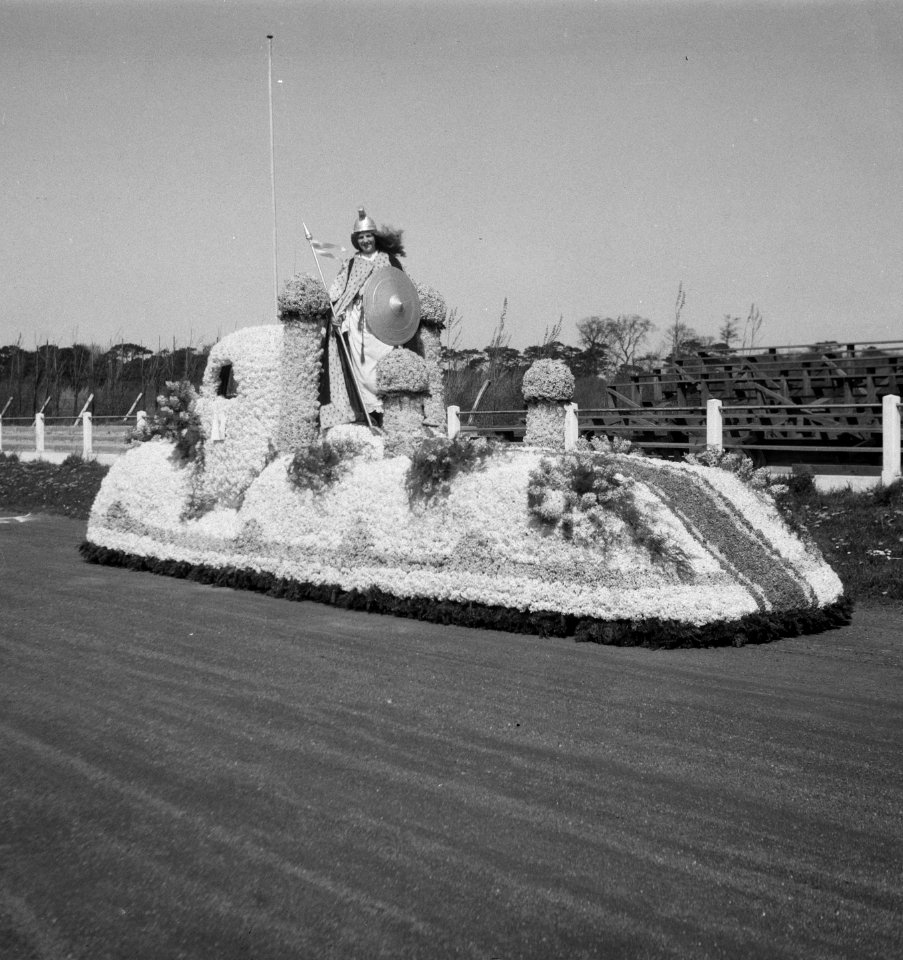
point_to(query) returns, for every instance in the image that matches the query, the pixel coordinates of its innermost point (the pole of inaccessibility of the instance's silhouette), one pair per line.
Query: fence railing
(803, 430)
(875, 428)
(85, 436)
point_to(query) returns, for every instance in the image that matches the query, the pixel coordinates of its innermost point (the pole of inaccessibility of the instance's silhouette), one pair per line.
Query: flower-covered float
(239, 487)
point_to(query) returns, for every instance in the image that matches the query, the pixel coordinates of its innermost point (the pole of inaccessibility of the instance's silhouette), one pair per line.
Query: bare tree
(611, 342)
(626, 335)
(593, 332)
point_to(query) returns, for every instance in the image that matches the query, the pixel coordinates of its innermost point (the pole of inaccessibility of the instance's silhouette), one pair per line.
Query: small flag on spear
(324, 249)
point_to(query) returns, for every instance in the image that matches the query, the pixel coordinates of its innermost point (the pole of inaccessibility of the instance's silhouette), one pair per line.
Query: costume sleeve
(337, 287)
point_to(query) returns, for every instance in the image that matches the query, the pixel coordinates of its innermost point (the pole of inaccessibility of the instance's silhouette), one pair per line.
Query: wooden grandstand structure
(800, 404)
(839, 373)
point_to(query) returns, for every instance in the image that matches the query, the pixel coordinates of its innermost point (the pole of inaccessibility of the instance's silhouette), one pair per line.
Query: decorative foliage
(548, 380)
(607, 445)
(437, 461)
(736, 463)
(176, 420)
(367, 444)
(304, 298)
(585, 498)
(401, 371)
(433, 309)
(324, 463)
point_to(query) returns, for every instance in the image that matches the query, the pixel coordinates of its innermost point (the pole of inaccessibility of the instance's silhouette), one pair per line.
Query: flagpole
(273, 177)
(339, 338)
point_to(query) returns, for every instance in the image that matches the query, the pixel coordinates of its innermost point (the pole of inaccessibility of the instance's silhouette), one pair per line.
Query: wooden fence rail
(85, 436)
(773, 432)
(874, 429)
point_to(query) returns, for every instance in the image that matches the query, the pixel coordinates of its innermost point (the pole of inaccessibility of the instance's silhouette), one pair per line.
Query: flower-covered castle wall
(275, 378)
(239, 430)
(616, 548)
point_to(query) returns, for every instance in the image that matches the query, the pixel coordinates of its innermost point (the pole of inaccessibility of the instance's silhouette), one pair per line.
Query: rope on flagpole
(273, 179)
(335, 329)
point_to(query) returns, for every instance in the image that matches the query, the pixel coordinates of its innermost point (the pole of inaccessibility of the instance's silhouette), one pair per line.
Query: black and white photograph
(451, 493)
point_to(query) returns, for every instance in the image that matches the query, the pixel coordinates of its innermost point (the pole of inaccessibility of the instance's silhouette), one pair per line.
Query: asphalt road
(194, 772)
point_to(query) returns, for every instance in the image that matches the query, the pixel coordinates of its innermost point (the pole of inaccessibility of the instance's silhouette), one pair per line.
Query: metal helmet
(363, 224)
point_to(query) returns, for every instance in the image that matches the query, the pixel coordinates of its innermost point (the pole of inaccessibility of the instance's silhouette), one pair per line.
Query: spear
(335, 328)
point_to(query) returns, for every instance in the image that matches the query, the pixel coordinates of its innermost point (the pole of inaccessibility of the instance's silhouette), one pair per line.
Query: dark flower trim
(653, 633)
(720, 523)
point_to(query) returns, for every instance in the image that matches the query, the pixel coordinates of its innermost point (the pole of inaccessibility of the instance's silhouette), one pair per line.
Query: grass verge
(860, 534)
(37, 486)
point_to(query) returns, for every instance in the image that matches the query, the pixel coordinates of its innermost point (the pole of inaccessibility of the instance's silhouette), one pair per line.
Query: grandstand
(811, 404)
(807, 403)
(793, 375)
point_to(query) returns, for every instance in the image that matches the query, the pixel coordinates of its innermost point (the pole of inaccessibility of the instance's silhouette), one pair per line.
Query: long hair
(387, 238)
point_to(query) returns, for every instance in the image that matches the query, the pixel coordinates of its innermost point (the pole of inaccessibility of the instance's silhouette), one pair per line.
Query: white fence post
(39, 433)
(454, 422)
(714, 425)
(890, 438)
(87, 435)
(571, 430)
(5, 408)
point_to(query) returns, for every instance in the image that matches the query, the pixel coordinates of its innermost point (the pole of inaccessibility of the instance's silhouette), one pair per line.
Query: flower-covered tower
(428, 343)
(304, 312)
(402, 380)
(548, 388)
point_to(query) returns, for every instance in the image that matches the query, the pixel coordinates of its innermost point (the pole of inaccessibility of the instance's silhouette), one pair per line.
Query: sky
(574, 158)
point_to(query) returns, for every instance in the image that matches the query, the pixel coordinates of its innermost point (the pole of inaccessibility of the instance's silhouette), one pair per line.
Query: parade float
(242, 486)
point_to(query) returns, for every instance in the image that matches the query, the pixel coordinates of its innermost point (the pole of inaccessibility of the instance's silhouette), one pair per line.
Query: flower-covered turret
(548, 387)
(304, 311)
(402, 380)
(428, 343)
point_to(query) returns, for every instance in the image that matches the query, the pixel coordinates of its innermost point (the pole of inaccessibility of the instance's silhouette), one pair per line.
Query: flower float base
(643, 553)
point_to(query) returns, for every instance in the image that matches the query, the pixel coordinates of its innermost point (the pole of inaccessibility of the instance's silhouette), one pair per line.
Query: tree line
(60, 380)
(608, 348)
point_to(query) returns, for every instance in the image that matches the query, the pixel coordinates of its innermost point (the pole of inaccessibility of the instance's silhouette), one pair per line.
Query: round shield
(391, 305)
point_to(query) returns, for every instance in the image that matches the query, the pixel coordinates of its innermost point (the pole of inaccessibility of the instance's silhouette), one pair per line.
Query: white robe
(373, 351)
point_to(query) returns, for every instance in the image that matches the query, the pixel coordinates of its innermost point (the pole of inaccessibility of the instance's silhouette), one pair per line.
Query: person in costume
(376, 248)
